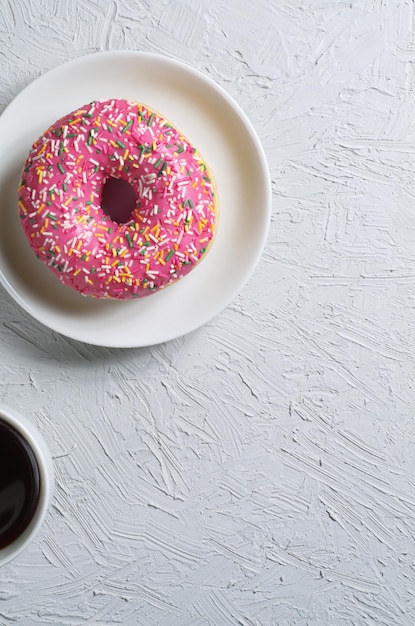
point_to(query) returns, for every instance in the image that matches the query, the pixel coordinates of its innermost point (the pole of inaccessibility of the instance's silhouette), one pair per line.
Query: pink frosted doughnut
(173, 222)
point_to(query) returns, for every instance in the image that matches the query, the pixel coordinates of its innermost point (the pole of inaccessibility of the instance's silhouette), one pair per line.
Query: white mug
(36, 442)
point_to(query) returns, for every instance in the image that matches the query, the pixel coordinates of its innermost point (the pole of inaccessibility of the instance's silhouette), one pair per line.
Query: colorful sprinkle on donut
(173, 220)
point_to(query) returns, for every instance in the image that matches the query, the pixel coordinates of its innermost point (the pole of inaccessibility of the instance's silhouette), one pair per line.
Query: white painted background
(261, 470)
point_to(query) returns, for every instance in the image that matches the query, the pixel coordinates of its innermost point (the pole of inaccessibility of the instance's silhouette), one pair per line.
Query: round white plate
(214, 123)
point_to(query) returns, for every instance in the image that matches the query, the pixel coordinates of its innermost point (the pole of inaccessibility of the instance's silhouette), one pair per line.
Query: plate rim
(141, 57)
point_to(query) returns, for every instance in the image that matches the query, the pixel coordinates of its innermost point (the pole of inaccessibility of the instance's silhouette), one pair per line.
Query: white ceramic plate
(214, 123)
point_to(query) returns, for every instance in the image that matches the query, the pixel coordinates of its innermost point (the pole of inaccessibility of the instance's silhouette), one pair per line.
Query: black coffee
(19, 484)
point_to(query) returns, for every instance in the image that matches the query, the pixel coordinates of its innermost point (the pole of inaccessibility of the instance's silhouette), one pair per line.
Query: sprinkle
(162, 168)
(129, 240)
(127, 126)
(150, 120)
(170, 254)
(120, 144)
(60, 168)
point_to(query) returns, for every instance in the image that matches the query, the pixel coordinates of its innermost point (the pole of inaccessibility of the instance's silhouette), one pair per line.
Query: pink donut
(174, 214)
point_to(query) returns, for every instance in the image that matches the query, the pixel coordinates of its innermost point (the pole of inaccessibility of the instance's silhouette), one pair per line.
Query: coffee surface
(19, 484)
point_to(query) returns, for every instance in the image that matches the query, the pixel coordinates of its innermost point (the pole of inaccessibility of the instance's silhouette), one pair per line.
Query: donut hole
(119, 199)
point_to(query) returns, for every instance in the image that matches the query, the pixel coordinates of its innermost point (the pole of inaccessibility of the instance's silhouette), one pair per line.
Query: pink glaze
(170, 228)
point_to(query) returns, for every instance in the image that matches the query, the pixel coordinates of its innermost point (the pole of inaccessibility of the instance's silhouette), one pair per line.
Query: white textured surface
(261, 470)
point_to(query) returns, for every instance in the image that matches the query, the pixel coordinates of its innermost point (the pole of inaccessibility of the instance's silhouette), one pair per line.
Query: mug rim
(35, 439)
